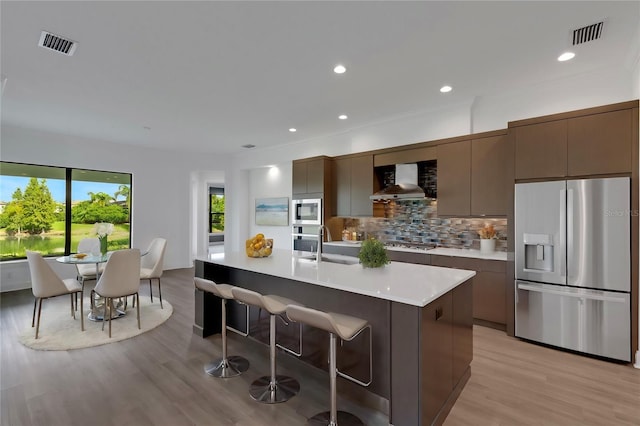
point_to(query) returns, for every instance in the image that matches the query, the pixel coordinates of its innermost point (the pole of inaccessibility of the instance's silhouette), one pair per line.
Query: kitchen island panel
(437, 356)
(421, 353)
(405, 362)
(353, 357)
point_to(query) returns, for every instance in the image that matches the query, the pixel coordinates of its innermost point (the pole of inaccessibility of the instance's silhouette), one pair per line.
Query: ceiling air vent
(57, 43)
(588, 33)
(249, 146)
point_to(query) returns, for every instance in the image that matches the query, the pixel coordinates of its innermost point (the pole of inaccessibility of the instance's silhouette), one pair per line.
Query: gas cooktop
(408, 245)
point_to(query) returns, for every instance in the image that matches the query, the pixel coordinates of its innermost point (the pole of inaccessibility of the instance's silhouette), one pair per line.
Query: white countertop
(440, 251)
(416, 285)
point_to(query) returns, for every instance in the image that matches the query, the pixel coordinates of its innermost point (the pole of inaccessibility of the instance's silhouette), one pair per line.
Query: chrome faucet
(321, 229)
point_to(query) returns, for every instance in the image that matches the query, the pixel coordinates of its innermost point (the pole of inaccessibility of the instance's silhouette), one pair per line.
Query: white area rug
(60, 332)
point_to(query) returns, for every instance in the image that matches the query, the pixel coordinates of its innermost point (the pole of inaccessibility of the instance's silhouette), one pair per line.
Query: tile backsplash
(416, 222)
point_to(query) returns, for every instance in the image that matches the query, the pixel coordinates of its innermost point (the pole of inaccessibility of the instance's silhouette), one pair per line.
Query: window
(50, 209)
(216, 210)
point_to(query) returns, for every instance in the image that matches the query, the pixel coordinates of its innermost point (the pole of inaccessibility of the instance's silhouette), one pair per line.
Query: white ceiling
(212, 76)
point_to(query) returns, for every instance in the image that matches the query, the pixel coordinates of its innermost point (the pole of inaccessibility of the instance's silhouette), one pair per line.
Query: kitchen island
(421, 318)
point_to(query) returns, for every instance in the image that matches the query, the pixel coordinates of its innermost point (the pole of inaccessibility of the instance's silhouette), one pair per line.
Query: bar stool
(347, 328)
(224, 367)
(274, 388)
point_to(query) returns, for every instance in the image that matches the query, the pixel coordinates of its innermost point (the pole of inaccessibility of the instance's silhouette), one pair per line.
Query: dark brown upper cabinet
(454, 179)
(541, 150)
(415, 155)
(354, 185)
(311, 176)
(489, 186)
(591, 142)
(600, 144)
(299, 177)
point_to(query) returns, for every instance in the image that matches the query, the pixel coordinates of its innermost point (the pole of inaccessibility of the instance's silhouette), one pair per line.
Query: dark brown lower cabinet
(437, 355)
(489, 297)
(489, 287)
(431, 353)
(463, 301)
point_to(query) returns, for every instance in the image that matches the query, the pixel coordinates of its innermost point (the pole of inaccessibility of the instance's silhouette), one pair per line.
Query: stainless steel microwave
(306, 212)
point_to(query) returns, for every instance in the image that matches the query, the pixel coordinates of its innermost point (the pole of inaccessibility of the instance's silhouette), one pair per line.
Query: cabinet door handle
(438, 313)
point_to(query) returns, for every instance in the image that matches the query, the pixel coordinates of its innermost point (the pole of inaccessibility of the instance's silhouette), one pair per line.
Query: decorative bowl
(259, 247)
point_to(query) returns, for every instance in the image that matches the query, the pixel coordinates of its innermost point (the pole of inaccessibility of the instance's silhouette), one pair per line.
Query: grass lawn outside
(52, 242)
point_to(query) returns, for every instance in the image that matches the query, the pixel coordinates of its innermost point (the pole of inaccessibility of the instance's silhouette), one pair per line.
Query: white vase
(487, 246)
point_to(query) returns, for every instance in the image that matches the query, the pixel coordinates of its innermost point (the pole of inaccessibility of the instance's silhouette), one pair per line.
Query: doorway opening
(216, 220)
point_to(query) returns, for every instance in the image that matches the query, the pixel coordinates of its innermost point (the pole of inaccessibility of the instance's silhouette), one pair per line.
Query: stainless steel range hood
(406, 187)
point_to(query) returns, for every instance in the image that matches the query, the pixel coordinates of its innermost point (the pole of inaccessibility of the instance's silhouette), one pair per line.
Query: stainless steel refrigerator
(573, 270)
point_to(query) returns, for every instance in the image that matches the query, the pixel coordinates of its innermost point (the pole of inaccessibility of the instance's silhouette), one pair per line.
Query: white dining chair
(87, 271)
(45, 284)
(119, 279)
(151, 265)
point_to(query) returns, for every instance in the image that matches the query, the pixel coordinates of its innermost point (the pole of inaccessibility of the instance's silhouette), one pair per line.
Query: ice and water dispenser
(538, 252)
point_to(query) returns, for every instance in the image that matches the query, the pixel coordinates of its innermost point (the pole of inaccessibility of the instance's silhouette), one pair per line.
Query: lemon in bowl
(259, 246)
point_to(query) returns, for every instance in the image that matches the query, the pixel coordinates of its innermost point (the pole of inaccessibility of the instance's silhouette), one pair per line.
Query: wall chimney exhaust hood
(406, 187)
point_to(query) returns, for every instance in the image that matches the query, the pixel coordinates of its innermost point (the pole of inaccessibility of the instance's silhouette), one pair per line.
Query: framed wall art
(272, 211)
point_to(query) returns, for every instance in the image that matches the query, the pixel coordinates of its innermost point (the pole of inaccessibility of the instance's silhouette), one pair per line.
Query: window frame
(214, 192)
(68, 199)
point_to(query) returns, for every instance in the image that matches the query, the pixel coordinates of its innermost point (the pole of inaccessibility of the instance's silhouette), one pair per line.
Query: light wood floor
(157, 379)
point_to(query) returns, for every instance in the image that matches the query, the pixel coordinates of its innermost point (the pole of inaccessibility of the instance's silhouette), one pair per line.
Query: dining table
(96, 312)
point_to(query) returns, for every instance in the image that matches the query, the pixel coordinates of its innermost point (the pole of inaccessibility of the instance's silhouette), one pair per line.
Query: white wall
(237, 207)
(268, 182)
(484, 113)
(402, 130)
(161, 188)
(605, 86)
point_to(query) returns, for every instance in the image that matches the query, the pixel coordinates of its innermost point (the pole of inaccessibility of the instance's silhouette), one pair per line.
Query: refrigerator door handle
(561, 250)
(582, 296)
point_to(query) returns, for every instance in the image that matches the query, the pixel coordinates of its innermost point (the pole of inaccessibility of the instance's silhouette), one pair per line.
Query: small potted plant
(373, 254)
(488, 236)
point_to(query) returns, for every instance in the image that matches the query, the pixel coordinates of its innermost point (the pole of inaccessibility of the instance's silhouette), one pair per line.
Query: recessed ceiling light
(339, 69)
(293, 130)
(342, 117)
(446, 89)
(566, 56)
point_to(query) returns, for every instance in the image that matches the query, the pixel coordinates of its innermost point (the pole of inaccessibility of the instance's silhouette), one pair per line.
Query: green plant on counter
(373, 254)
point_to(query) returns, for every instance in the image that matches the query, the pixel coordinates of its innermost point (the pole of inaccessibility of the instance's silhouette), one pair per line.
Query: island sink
(343, 260)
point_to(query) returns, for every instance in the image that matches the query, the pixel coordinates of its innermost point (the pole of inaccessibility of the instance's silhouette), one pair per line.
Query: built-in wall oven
(306, 219)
